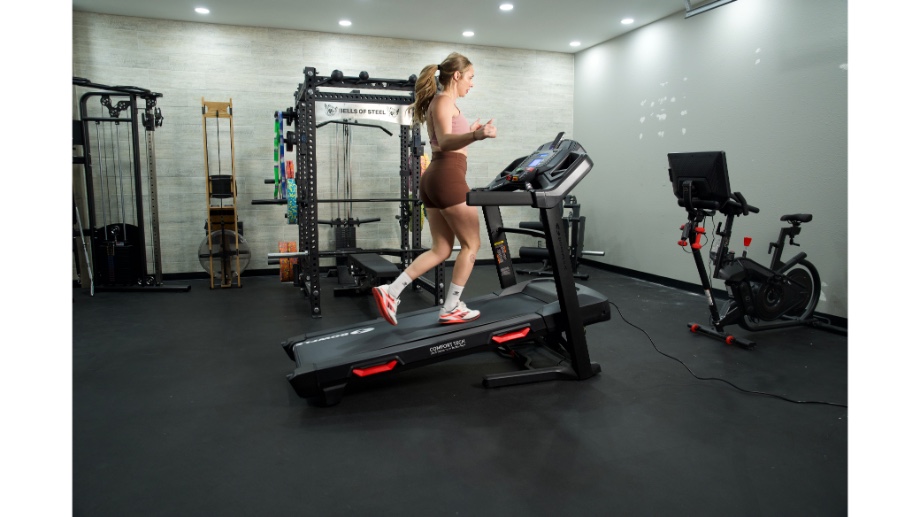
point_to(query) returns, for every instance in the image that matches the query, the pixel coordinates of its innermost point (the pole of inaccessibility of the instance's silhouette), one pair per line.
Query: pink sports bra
(458, 125)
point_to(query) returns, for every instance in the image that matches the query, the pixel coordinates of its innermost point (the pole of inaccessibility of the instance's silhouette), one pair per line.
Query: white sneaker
(460, 314)
(386, 304)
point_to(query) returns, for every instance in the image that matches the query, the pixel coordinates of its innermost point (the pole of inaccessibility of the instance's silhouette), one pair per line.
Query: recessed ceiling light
(627, 21)
(202, 10)
(345, 23)
(575, 44)
(468, 34)
(506, 7)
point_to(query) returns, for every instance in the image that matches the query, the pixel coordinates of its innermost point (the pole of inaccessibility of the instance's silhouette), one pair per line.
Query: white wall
(260, 69)
(763, 80)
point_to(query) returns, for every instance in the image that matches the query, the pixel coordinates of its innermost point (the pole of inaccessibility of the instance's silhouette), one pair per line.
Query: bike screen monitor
(706, 173)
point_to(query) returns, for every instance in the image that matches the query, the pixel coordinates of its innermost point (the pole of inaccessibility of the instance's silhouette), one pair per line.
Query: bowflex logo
(336, 336)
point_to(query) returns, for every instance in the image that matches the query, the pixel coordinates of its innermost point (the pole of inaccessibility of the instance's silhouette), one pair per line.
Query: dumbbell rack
(221, 198)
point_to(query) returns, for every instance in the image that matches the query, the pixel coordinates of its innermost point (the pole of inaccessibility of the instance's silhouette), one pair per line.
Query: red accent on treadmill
(747, 241)
(510, 336)
(371, 370)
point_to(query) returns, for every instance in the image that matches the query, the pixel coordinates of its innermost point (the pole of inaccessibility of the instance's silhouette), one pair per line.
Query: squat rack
(337, 98)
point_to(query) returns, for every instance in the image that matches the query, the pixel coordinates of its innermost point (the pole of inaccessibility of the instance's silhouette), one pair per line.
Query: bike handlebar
(701, 204)
(745, 207)
(730, 206)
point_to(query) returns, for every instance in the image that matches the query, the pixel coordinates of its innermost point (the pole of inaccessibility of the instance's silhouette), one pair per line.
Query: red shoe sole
(382, 306)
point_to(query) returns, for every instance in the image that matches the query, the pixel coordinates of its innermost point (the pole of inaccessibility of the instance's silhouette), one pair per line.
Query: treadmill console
(542, 169)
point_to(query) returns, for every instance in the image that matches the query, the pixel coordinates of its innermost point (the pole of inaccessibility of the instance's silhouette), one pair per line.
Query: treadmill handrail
(500, 198)
(552, 197)
(535, 198)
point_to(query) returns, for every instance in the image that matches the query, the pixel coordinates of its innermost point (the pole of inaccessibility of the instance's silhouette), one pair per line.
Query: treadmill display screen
(539, 159)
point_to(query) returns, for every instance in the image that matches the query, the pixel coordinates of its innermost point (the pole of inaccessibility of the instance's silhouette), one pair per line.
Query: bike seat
(796, 218)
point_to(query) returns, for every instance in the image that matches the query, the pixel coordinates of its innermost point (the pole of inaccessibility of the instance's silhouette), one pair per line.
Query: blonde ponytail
(426, 86)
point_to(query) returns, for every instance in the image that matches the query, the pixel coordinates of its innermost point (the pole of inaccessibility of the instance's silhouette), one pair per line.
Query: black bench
(368, 270)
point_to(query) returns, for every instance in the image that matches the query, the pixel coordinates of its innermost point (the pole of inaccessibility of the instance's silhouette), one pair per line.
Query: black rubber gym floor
(181, 408)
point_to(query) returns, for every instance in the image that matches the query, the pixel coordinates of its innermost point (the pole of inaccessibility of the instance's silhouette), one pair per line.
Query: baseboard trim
(720, 294)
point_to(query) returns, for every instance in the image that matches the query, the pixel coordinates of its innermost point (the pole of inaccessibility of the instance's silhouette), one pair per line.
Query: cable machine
(338, 99)
(113, 163)
(224, 253)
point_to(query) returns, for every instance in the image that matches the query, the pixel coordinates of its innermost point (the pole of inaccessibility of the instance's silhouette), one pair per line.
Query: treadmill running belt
(326, 361)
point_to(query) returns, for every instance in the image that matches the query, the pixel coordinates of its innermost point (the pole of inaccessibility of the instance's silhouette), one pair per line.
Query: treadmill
(539, 321)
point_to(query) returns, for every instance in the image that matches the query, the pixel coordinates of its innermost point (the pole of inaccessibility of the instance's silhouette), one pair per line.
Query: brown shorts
(444, 182)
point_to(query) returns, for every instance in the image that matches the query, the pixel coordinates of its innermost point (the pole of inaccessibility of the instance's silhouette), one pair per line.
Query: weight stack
(117, 259)
(346, 238)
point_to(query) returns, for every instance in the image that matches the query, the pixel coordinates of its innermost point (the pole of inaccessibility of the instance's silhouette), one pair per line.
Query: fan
(220, 259)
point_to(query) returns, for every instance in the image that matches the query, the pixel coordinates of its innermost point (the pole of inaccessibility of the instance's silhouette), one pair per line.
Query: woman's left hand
(488, 129)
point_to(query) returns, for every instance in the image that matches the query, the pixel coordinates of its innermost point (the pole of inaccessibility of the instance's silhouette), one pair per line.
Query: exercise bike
(784, 294)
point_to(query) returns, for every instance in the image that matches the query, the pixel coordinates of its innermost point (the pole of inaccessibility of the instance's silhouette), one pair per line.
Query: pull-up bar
(130, 90)
(349, 123)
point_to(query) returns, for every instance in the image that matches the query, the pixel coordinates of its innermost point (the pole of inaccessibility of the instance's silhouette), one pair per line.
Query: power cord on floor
(753, 392)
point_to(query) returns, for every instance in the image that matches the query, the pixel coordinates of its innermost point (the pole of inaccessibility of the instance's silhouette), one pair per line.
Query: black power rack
(341, 99)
